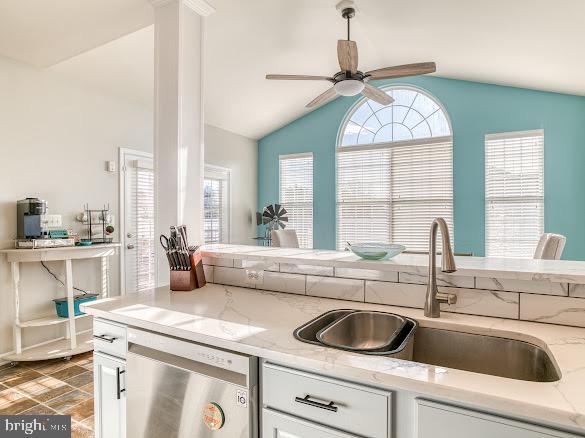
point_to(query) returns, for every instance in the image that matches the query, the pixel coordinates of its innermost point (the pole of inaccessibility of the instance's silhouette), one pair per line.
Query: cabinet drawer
(437, 420)
(341, 405)
(109, 337)
(277, 425)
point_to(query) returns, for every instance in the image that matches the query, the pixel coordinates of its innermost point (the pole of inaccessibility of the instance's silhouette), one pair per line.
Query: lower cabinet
(277, 425)
(437, 420)
(352, 409)
(109, 396)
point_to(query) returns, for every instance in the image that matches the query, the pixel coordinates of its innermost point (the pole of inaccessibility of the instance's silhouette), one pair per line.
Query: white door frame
(122, 152)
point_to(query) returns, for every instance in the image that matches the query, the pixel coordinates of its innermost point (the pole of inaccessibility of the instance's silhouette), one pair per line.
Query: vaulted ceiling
(527, 43)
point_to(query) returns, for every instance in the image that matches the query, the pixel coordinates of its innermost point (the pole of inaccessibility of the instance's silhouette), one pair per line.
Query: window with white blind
(144, 209)
(216, 204)
(296, 194)
(394, 170)
(514, 193)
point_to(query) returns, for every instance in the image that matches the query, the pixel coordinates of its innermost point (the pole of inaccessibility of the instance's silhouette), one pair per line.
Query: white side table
(73, 342)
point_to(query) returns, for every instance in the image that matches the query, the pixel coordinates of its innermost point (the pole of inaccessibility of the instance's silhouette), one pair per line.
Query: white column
(178, 119)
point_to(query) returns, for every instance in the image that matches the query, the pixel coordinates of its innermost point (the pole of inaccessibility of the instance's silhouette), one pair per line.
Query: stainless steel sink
(363, 331)
(484, 354)
(496, 356)
(400, 347)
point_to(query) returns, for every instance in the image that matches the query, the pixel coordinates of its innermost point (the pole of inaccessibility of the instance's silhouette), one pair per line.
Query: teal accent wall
(475, 109)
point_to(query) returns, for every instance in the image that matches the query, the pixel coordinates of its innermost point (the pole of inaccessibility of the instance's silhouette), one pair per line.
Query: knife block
(185, 281)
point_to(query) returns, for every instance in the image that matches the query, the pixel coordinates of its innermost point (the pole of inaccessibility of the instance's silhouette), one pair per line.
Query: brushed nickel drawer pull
(110, 339)
(306, 400)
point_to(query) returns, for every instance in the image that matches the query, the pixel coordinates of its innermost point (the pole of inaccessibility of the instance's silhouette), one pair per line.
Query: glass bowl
(376, 251)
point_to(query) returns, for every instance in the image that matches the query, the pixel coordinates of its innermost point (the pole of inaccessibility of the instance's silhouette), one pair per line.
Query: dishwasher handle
(306, 400)
(119, 390)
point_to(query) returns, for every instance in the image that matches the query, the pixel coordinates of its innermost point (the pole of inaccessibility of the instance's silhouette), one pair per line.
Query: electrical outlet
(254, 276)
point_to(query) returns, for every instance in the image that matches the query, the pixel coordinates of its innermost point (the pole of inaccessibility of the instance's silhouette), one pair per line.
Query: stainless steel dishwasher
(180, 389)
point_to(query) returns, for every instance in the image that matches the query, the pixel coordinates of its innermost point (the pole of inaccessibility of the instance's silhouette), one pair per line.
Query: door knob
(130, 246)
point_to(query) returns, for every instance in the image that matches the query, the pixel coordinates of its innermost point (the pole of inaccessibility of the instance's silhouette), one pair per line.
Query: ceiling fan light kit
(350, 81)
(349, 87)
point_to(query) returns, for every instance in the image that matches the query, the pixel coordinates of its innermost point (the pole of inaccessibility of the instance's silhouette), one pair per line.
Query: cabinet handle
(118, 390)
(110, 339)
(306, 400)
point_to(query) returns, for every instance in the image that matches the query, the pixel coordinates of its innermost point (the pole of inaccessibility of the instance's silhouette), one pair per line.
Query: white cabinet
(436, 420)
(277, 425)
(109, 396)
(333, 403)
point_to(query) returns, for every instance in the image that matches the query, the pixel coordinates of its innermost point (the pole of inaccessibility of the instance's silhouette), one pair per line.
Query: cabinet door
(436, 420)
(277, 425)
(109, 396)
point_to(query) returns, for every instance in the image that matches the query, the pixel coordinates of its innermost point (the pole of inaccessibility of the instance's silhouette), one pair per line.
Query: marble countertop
(261, 324)
(563, 271)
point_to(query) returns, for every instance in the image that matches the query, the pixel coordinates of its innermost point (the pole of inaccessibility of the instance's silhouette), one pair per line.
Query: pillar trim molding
(201, 7)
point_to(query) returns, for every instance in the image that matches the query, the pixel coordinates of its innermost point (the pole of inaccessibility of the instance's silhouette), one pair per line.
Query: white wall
(240, 155)
(55, 138)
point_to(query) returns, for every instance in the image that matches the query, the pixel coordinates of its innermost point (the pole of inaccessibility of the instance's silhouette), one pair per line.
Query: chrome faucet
(434, 297)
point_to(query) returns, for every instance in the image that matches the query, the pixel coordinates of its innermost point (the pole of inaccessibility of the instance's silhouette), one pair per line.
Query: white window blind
(392, 192)
(216, 205)
(296, 195)
(422, 190)
(363, 196)
(514, 193)
(143, 179)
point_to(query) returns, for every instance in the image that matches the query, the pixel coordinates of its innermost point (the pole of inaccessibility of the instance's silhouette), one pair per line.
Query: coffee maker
(29, 218)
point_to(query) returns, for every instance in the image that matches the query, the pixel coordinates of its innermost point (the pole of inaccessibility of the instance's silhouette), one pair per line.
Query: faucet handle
(443, 297)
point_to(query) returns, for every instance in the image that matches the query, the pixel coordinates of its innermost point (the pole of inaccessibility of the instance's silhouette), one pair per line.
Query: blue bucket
(63, 310)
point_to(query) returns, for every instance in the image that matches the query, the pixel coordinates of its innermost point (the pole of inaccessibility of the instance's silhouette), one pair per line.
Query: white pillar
(178, 119)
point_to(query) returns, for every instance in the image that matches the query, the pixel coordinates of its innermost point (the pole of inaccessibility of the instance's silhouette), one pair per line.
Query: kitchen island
(260, 323)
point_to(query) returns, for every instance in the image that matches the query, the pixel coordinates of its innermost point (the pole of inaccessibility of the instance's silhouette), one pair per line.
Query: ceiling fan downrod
(348, 14)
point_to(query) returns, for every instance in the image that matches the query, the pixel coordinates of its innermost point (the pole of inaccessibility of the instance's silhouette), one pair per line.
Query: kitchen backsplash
(530, 300)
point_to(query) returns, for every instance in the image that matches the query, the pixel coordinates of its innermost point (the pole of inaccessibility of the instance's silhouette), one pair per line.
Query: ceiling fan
(350, 81)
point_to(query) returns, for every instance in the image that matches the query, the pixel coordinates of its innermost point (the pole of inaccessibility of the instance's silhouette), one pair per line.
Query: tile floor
(51, 387)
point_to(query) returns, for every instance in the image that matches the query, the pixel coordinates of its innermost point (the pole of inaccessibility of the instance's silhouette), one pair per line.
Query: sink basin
(363, 330)
(492, 355)
(350, 337)
(484, 354)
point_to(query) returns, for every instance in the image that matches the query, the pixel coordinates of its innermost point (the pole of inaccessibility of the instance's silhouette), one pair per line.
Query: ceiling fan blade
(400, 71)
(376, 94)
(299, 78)
(322, 98)
(347, 54)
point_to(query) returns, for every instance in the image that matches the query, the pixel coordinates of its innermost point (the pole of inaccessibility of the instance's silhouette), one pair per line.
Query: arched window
(394, 170)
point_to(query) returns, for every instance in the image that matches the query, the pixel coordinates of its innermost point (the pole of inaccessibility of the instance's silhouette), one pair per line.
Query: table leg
(70, 303)
(105, 278)
(15, 267)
